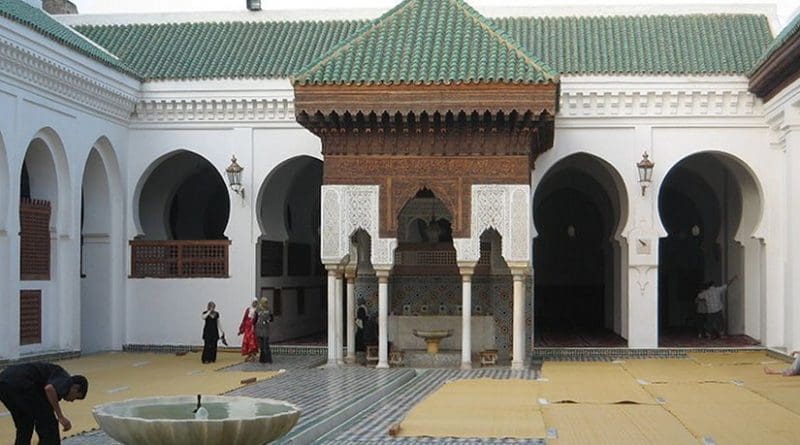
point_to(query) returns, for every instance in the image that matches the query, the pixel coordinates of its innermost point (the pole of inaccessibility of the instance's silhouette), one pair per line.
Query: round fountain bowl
(170, 420)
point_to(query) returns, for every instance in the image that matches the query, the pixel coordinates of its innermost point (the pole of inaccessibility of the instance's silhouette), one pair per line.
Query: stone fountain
(180, 420)
(432, 338)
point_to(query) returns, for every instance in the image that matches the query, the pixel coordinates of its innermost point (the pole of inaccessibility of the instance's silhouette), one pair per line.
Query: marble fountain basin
(171, 420)
(432, 337)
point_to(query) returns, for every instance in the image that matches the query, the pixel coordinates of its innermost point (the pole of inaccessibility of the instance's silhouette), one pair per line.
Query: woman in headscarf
(247, 331)
(212, 333)
(262, 330)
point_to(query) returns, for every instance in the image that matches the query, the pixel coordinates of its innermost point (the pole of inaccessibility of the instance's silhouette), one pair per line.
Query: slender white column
(339, 321)
(518, 348)
(383, 318)
(350, 318)
(331, 317)
(466, 319)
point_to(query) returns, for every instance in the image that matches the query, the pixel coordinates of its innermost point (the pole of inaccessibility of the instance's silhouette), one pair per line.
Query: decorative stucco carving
(505, 208)
(226, 109)
(450, 178)
(655, 103)
(345, 209)
(55, 78)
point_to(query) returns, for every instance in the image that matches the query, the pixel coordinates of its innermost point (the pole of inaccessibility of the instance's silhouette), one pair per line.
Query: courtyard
(696, 397)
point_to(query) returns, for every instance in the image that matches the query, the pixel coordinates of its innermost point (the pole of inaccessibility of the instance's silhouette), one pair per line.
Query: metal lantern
(645, 167)
(234, 172)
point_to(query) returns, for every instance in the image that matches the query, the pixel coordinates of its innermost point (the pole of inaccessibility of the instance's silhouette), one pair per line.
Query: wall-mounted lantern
(234, 172)
(645, 167)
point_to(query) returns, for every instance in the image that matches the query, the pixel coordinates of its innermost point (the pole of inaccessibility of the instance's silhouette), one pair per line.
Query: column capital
(383, 275)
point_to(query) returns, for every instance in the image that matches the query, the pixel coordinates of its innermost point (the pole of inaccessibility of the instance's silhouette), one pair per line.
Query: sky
(786, 8)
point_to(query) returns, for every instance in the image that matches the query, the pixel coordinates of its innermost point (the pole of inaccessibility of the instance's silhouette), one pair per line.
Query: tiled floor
(358, 406)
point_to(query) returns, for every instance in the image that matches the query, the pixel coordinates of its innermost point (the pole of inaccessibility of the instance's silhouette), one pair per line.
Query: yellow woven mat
(733, 358)
(785, 391)
(121, 376)
(596, 391)
(672, 370)
(590, 383)
(478, 408)
(703, 393)
(756, 423)
(614, 424)
(580, 371)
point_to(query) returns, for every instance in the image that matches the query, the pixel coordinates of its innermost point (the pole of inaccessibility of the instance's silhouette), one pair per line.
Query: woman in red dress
(248, 333)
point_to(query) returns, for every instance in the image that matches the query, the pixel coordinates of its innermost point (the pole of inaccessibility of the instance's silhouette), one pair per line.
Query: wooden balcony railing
(179, 259)
(34, 243)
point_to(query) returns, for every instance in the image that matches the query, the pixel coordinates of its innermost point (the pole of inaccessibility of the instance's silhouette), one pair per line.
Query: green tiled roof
(44, 24)
(644, 45)
(788, 31)
(221, 50)
(428, 42)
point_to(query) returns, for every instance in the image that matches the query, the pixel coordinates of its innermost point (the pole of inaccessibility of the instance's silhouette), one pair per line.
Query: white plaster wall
(167, 311)
(69, 128)
(619, 131)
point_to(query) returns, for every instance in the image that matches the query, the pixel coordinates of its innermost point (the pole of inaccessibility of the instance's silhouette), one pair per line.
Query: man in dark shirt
(31, 392)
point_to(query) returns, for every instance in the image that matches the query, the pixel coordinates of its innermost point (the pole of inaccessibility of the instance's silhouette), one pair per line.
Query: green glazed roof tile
(711, 44)
(43, 23)
(428, 42)
(220, 50)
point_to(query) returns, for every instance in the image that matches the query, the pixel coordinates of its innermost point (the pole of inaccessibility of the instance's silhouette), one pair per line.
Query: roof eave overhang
(778, 71)
(522, 98)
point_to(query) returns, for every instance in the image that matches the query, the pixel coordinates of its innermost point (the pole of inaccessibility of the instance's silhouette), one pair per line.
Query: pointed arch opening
(288, 250)
(710, 204)
(580, 297)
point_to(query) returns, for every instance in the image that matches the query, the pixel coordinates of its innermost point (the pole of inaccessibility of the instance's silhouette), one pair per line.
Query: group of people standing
(254, 330)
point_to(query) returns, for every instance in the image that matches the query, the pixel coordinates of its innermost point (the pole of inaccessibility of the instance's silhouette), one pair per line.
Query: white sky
(785, 8)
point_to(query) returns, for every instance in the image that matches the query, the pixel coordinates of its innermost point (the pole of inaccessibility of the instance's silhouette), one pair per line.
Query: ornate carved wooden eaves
(423, 119)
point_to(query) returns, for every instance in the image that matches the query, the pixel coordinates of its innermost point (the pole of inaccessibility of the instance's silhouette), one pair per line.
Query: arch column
(383, 317)
(333, 275)
(466, 315)
(350, 316)
(518, 328)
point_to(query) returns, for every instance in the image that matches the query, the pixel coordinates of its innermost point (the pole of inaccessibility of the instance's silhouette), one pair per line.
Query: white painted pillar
(331, 317)
(350, 317)
(383, 318)
(339, 319)
(466, 319)
(643, 306)
(518, 338)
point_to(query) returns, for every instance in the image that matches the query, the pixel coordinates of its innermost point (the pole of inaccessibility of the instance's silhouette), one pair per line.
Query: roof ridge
(507, 40)
(370, 26)
(546, 73)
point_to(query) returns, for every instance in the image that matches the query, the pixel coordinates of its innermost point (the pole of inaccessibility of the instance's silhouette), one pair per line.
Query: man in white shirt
(714, 297)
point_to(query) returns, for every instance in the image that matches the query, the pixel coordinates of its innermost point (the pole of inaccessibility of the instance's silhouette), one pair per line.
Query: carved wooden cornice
(778, 71)
(407, 99)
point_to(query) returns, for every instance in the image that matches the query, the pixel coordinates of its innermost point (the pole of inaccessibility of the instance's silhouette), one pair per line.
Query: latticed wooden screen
(34, 249)
(179, 259)
(30, 317)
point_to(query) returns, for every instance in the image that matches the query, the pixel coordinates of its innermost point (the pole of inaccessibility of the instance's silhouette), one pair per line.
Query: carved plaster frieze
(345, 209)
(55, 78)
(505, 208)
(232, 109)
(659, 103)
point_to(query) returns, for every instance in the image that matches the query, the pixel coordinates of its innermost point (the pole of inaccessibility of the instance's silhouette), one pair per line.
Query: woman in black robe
(212, 332)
